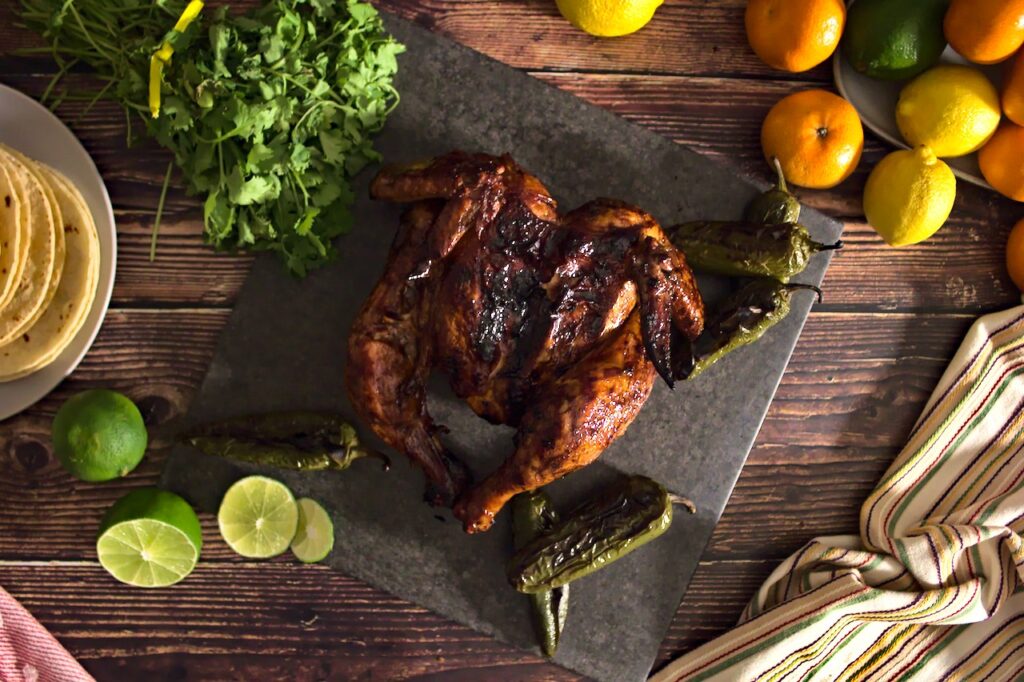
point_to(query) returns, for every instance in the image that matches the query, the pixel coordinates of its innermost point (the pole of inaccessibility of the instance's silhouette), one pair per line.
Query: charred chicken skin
(555, 324)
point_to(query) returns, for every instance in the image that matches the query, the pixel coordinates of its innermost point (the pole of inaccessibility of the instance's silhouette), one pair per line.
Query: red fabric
(28, 652)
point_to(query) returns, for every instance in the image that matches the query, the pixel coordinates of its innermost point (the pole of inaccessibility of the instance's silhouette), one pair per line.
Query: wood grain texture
(859, 376)
(689, 37)
(230, 621)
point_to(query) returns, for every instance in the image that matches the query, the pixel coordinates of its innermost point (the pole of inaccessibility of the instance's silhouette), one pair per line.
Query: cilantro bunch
(268, 114)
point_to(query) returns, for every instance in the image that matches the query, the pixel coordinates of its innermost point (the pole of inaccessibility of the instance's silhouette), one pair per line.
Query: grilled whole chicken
(555, 324)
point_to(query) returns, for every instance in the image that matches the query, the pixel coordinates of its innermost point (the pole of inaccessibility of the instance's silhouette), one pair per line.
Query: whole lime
(99, 435)
(894, 39)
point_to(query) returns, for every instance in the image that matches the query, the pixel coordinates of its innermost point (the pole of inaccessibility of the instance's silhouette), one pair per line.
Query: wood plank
(683, 38)
(705, 38)
(228, 620)
(275, 610)
(718, 593)
(841, 414)
(447, 665)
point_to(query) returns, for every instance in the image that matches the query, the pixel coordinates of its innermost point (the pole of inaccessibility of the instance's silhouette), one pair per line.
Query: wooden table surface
(863, 368)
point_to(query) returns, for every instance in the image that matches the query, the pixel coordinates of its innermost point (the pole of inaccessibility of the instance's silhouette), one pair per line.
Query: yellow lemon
(608, 18)
(952, 109)
(909, 196)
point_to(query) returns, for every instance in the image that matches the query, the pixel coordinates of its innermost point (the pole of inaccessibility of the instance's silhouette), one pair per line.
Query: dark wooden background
(861, 372)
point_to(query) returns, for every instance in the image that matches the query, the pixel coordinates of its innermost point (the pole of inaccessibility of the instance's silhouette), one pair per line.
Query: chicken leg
(389, 361)
(574, 419)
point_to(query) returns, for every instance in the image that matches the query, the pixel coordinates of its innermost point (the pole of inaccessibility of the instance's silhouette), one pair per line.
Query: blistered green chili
(533, 515)
(744, 249)
(776, 205)
(610, 525)
(743, 318)
(305, 441)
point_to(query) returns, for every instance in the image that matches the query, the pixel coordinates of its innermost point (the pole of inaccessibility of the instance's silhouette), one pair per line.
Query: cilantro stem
(95, 99)
(56, 78)
(302, 188)
(88, 34)
(160, 212)
(334, 34)
(311, 109)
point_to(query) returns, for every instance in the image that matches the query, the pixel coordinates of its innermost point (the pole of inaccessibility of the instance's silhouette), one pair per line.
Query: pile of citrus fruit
(944, 110)
(152, 537)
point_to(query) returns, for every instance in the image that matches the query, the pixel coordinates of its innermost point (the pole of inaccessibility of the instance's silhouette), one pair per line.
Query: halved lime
(149, 538)
(258, 517)
(314, 538)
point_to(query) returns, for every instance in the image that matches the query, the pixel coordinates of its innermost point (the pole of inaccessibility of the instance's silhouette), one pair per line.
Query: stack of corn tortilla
(49, 264)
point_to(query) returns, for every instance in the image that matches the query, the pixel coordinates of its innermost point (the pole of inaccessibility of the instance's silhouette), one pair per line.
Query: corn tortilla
(13, 243)
(35, 277)
(58, 246)
(67, 312)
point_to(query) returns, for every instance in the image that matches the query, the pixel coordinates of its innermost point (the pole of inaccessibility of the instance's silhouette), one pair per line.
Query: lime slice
(258, 517)
(314, 538)
(149, 538)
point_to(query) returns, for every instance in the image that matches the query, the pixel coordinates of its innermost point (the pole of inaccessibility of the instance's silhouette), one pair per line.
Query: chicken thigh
(555, 324)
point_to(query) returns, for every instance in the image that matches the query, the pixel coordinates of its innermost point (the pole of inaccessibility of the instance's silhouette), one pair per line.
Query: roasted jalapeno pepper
(533, 515)
(610, 525)
(305, 441)
(742, 319)
(747, 249)
(775, 206)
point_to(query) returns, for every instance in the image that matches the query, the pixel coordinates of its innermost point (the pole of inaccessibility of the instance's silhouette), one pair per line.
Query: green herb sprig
(269, 114)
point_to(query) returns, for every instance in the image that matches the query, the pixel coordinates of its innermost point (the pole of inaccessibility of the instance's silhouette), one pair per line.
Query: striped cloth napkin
(933, 589)
(28, 652)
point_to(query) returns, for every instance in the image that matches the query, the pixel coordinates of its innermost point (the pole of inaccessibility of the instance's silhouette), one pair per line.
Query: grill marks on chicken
(555, 325)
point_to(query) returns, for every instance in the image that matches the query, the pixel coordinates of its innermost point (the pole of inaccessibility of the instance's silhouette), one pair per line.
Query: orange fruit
(985, 31)
(1013, 90)
(794, 35)
(816, 136)
(1015, 255)
(1002, 161)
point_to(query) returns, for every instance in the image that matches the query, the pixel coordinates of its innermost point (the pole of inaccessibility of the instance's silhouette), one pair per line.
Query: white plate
(30, 128)
(875, 101)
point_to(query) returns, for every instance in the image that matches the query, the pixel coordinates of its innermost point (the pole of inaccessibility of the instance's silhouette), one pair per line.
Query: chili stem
(808, 287)
(684, 501)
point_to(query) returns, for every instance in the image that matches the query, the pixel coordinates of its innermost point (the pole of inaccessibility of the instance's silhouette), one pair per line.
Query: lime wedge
(258, 517)
(314, 538)
(149, 538)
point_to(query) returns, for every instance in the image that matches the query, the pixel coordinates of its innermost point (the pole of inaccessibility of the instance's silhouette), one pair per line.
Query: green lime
(314, 537)
(149, 538)
(258, 517)
(894, 39)
(99, 435)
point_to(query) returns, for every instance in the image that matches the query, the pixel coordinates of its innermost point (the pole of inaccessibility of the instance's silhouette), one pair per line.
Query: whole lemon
(608, 18)
(952, 109)
(909, 196)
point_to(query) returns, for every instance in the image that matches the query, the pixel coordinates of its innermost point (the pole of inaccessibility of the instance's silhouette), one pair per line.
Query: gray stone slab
(284, 348)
